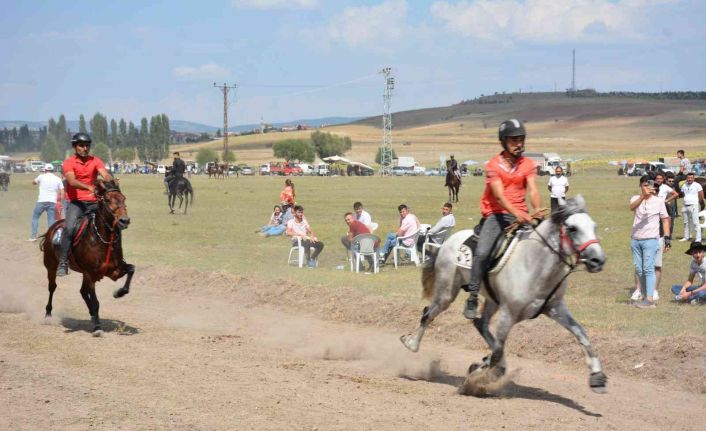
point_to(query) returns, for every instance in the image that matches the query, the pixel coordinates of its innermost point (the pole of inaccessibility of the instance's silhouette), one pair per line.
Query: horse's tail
(42, 239)
(428, 276)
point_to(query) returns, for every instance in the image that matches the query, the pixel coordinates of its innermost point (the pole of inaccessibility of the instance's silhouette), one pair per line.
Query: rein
(114, 233)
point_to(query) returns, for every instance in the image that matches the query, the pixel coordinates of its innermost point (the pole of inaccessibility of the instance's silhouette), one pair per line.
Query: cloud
(275, 4)
(208, 71)
(545, 21)
(364, 26)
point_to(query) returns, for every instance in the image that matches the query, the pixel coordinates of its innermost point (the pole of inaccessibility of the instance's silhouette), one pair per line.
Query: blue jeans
(273, 230)
(644, 252)
(39, 208)
(390, 242)
(700, 296)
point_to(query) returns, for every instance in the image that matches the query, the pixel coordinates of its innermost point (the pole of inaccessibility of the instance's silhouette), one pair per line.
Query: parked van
(307, 169)
(161, 169)
(36, 165)
(322, 170)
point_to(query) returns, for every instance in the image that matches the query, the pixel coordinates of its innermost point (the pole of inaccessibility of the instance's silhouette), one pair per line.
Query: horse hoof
(119, 293)
(47, 319)
(598, 382)
(97, 332)
(409, 343)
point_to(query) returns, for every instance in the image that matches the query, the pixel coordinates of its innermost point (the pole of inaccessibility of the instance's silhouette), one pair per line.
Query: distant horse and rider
(4, 181)
(180, 187)
(529, 279)
(453, 179)
(96, 249)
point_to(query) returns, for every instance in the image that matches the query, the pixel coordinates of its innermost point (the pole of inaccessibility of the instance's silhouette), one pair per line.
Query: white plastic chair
(373, 226)
(434, 241)
(298, 252)
(361, 246)
(702, 220)
(412, 250)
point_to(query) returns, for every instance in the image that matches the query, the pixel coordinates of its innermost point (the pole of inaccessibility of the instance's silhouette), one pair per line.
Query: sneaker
(31, 239)
(677, 298)
(694, 301)
(636, 295)
(684, 239)
(470, 312)
(312, 263)
(645, 304)
(655, 297)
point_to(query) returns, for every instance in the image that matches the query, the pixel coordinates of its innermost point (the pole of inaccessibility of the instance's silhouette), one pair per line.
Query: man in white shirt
(558, 185)
(693, 196)
(684, 166)
(298, 227)
(409, 224)
(447, 221)
(361, 215)
(50, 188)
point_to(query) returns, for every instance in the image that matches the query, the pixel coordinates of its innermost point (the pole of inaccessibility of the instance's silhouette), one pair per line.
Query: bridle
(105, 203)
(565, 240)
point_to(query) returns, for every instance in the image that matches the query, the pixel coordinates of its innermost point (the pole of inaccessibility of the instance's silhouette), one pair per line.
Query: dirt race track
(211, 351)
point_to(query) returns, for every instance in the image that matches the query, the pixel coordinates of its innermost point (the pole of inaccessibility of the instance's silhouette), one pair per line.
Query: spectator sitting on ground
(298, 227)
(279, 229)
(689, 291)
(447, 221)
(361, 215)
(275, 220)
(409, 224)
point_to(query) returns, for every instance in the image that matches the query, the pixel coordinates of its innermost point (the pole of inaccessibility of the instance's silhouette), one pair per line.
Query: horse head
(113, 200)
(578, 233)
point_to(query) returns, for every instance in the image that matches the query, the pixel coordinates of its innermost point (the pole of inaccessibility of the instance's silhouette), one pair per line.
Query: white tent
(336, 159)
(469, 163)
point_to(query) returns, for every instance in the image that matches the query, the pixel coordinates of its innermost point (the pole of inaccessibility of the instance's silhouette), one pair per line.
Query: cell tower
(225, 88)
(573, 70)
(386, 147)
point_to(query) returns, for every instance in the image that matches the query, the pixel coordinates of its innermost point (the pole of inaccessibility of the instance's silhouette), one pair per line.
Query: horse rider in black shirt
(177, 171)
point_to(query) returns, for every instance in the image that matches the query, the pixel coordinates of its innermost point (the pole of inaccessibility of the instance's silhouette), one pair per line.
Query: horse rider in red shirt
(509, 176)
(81, 171)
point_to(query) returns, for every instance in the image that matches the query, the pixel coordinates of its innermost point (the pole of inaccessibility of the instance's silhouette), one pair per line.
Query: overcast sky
(294, 59)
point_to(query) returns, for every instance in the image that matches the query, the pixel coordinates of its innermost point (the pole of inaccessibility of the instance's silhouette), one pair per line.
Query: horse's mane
(571, 206)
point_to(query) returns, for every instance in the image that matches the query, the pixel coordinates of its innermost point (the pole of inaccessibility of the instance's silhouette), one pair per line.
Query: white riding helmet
(49, 167)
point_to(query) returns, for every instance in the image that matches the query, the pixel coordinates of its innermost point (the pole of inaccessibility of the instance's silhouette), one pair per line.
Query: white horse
(529, 282)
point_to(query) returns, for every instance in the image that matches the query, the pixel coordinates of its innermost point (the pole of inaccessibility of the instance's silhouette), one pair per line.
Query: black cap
(511, 127)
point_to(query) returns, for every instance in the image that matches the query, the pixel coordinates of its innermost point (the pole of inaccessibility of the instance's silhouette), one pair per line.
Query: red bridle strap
(578, 250)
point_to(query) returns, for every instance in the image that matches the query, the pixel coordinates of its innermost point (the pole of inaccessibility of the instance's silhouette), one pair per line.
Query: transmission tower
(386, 147)
(225, 88)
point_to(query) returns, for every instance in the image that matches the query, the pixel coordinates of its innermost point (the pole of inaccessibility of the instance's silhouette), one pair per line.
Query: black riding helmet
(80, 138)
(511, 127)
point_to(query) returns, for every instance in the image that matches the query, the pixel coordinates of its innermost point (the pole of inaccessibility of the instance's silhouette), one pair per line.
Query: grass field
(218, 235)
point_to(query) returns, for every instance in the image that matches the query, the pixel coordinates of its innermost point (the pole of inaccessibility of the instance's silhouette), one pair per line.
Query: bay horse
(96, 251)
(180, 188)
(530, 280)
(453, 182)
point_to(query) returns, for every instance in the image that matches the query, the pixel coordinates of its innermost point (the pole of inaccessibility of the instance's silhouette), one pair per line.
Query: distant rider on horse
(81, 171)
(177, 171)
(508, 177)
(452, 169)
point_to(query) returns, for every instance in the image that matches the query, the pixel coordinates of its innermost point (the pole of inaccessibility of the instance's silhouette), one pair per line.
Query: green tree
(113, 134)
(133, 136)
(125, 155)
(82, 124)
(61, 134)
(52, 126)
(143, 140)
(219, 134)
(99, 128)
(101, 151)
(327, 144)
(378, 156)
(294, 149)
(205, 155)
(122, 134)
(24, 139)
(228, 156)
(51, 150)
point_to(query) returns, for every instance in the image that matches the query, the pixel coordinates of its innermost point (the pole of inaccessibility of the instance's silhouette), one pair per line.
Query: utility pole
(573, 70)
(224, 89)
(386, 147)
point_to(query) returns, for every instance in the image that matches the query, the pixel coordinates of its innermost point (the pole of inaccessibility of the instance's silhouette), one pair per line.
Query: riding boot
(471, 310)
(63, 268)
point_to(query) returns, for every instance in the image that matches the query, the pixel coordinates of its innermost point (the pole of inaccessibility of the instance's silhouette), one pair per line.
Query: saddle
(501, 251)
(82, 223)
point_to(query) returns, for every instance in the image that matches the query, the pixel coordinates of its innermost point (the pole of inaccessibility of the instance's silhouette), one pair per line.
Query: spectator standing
(447, 221)
(693, 196)
(558, 186)
(298, 227)
(672, 204)
(690, 291)
(361, 215)
(409, 224)
(287, 195)
(649, 211)
(50, 189)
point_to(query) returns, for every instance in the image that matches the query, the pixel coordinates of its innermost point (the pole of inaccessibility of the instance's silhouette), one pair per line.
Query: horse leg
(170, 201)
(130, 270)
(446, 290)
(88, 293)
(502, 330)
(51, 275)
(560, 314)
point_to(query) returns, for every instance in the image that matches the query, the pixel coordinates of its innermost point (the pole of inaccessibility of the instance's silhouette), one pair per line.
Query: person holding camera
(649, 210)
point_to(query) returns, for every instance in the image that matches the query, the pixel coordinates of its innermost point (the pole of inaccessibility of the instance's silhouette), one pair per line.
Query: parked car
(161, 169)
(432, 172)
(292, 169)
(419, 170)
(307, 169)
(401, 171)
(264, 169)
(19, 169)
(322, 169)
(246, 170)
